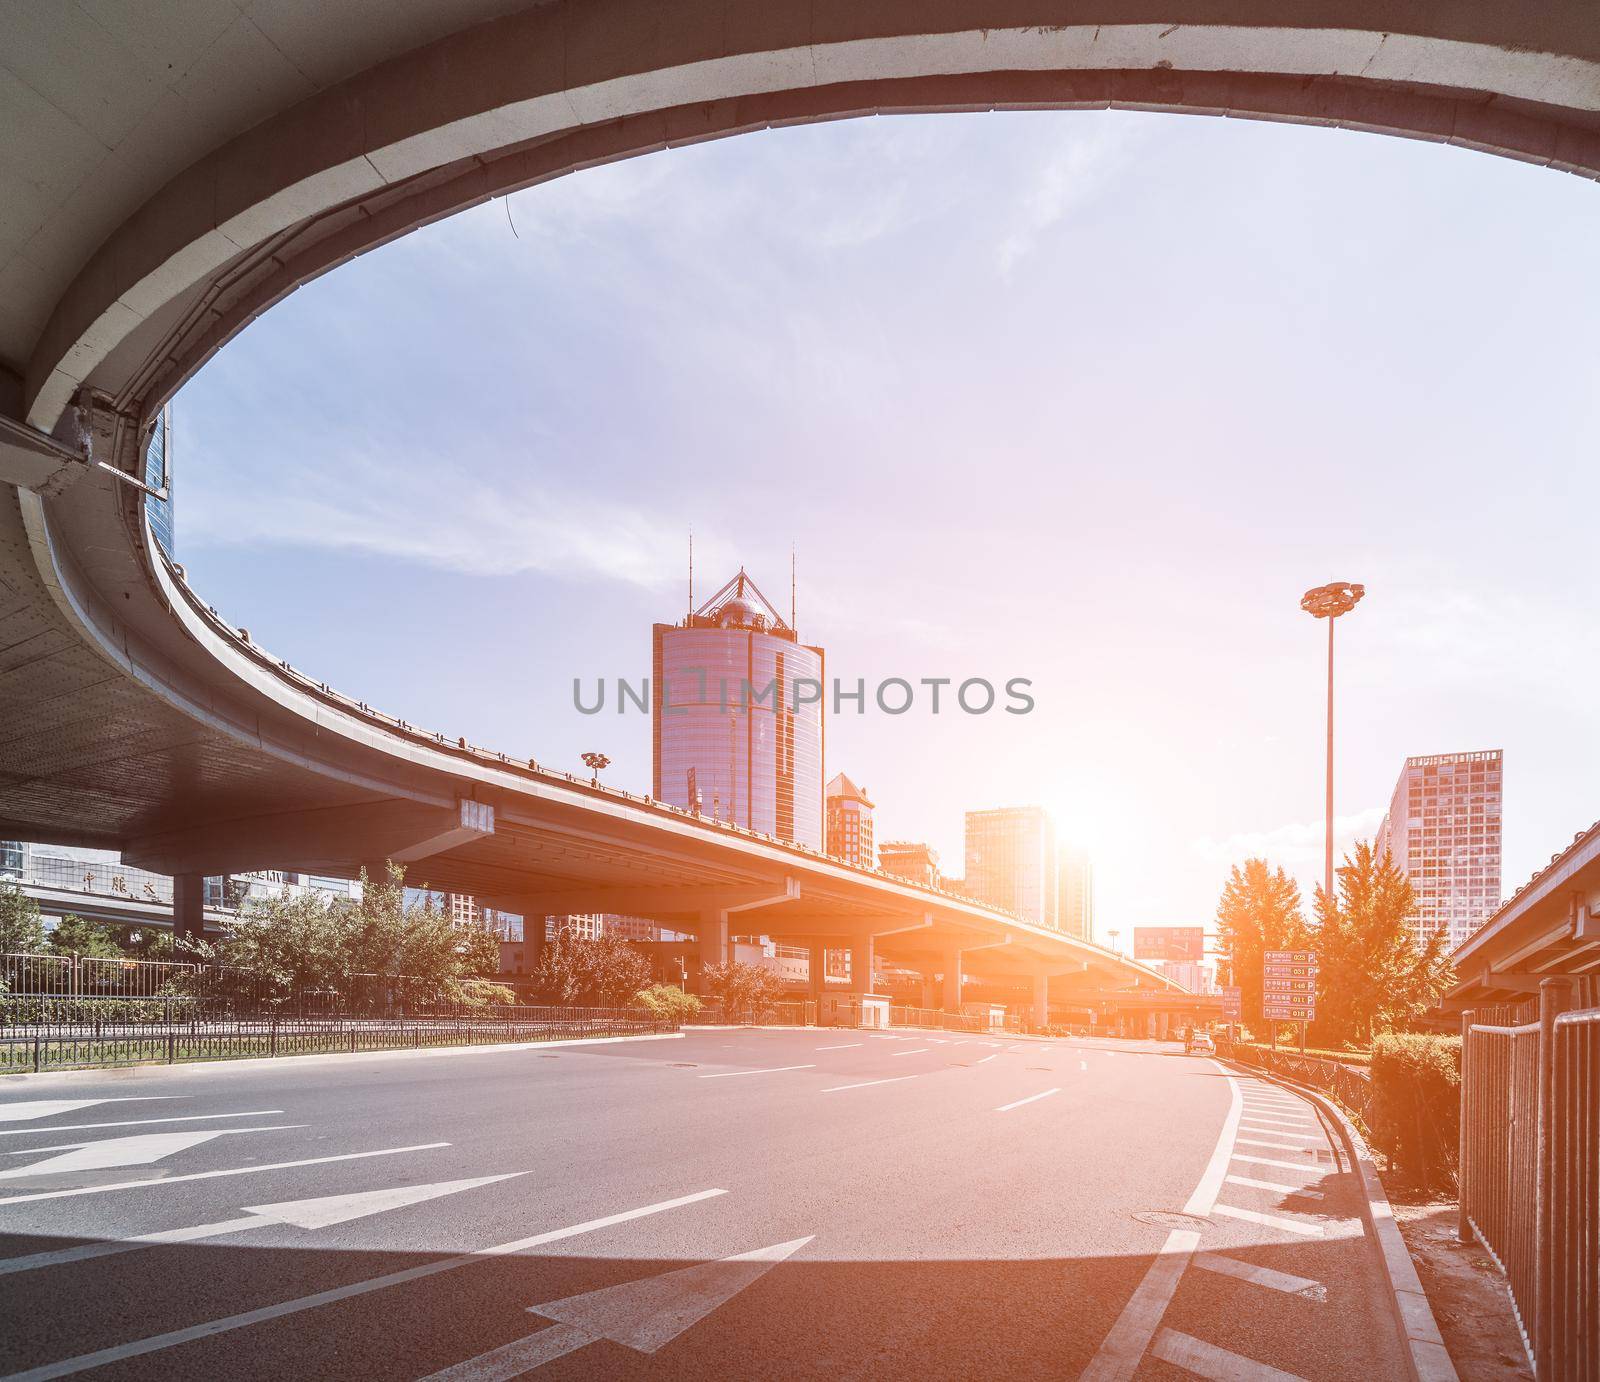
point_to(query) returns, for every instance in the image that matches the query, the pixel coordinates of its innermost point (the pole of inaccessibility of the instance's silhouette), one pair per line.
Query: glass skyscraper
(158, 474)
(1012, 862)
(737, 716)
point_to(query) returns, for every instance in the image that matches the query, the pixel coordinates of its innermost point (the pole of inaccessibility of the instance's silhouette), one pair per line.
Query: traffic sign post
(1289, 989)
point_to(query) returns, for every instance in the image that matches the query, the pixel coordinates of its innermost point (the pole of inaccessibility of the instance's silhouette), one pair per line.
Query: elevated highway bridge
(173, 172)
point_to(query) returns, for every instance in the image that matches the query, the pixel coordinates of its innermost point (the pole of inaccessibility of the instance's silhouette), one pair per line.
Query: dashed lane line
(1209, 1361)
(1031, 1099)
(213, 1175)
(136, 1122)
(843, 1046)
(867, 1084)
(770, 1070)
(914, 1051)
(984, 1060)
(1273, 1280)
(157, 1342)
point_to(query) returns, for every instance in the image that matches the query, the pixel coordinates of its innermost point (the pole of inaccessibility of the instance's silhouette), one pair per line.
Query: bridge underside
(169, 185)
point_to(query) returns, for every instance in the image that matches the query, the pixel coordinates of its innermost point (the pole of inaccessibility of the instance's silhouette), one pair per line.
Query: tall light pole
(1329, 602)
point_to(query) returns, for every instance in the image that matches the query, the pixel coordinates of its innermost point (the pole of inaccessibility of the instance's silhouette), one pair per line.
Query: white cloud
(442, 517)
(1075, 171)
(1292, 844)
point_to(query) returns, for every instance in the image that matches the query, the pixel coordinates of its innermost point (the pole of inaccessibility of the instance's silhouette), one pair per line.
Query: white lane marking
(1278, 1146)
(914, 1051)
(1310, 1167)
(867, 1084)
(641, 1315)
(1083, 1065)
(1130, 1336)
(156, 1342)
(1284, 1119)
(1124, 1347)
(322, 1212)
(1286, 1282)
(139, 1150)
(1209, 1361)
(135, 1122)
(1297, 1134)
(770, 1070)
(1032, 1098)
(26, 1109)
(1252, 1216)
(1277, 1186)
(843, 1046)
(984, 1060)
(213, 1175)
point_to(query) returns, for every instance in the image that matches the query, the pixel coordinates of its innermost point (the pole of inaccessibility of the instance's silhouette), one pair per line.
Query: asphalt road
(730, 1204)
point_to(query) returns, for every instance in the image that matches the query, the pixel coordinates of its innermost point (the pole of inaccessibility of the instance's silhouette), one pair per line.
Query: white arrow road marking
(642, 1315)
(136, 1122)
(156, 1342)
(212, 1175)
(28, 1109)
(139, 1150)
(308, 1214)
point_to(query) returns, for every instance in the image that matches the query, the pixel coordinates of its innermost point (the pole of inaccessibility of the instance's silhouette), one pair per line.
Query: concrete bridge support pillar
(952, 981)
(1041, 1000)
(188, 906)
(712, 941)
(861, 965)
(819, 974)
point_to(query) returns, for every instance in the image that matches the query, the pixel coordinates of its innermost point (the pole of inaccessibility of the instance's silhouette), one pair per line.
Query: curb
(129, 1072)
(1425, 1350)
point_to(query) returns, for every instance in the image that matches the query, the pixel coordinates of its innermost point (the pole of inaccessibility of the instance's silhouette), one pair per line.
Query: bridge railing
(1530, 1167)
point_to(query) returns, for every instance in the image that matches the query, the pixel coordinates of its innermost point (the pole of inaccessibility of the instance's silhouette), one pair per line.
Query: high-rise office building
(910, 859)
(1075, 908)
(158, 475)
(737, 716)
(1443, 831)
(849, 822)
(1012, 862)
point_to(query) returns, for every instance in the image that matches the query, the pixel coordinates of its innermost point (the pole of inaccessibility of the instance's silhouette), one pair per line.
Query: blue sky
(1089, 398)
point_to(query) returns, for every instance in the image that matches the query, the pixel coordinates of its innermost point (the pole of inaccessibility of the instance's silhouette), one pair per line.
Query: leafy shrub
(1415, 1116)
(669, 1004)
(481, 993)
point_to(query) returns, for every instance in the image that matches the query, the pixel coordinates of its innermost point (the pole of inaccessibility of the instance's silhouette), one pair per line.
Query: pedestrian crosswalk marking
(1273, 1280)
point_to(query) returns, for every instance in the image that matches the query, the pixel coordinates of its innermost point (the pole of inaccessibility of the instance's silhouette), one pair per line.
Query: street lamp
(1329, 602)
(594, 762)
(1114, 934)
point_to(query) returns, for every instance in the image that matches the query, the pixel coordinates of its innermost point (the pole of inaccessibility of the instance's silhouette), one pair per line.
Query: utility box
(854, 1010)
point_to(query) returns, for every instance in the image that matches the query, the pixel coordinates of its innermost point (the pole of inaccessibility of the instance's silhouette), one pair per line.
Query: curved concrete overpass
(169, 178)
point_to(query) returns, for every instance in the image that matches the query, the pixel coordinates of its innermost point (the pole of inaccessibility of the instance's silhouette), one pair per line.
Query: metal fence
(1530, 1160)
(66, 1033)
(1350, 1086)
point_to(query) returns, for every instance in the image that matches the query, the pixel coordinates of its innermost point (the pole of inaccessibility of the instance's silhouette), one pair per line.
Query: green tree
(75, 936)
(669, 1003)
(607, 971)
(743, 989)
(1372, 976)
(21, 930)
(1259, 911)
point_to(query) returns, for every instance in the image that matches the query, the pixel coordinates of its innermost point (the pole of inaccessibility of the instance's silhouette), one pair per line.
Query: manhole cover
(1170, 1218)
